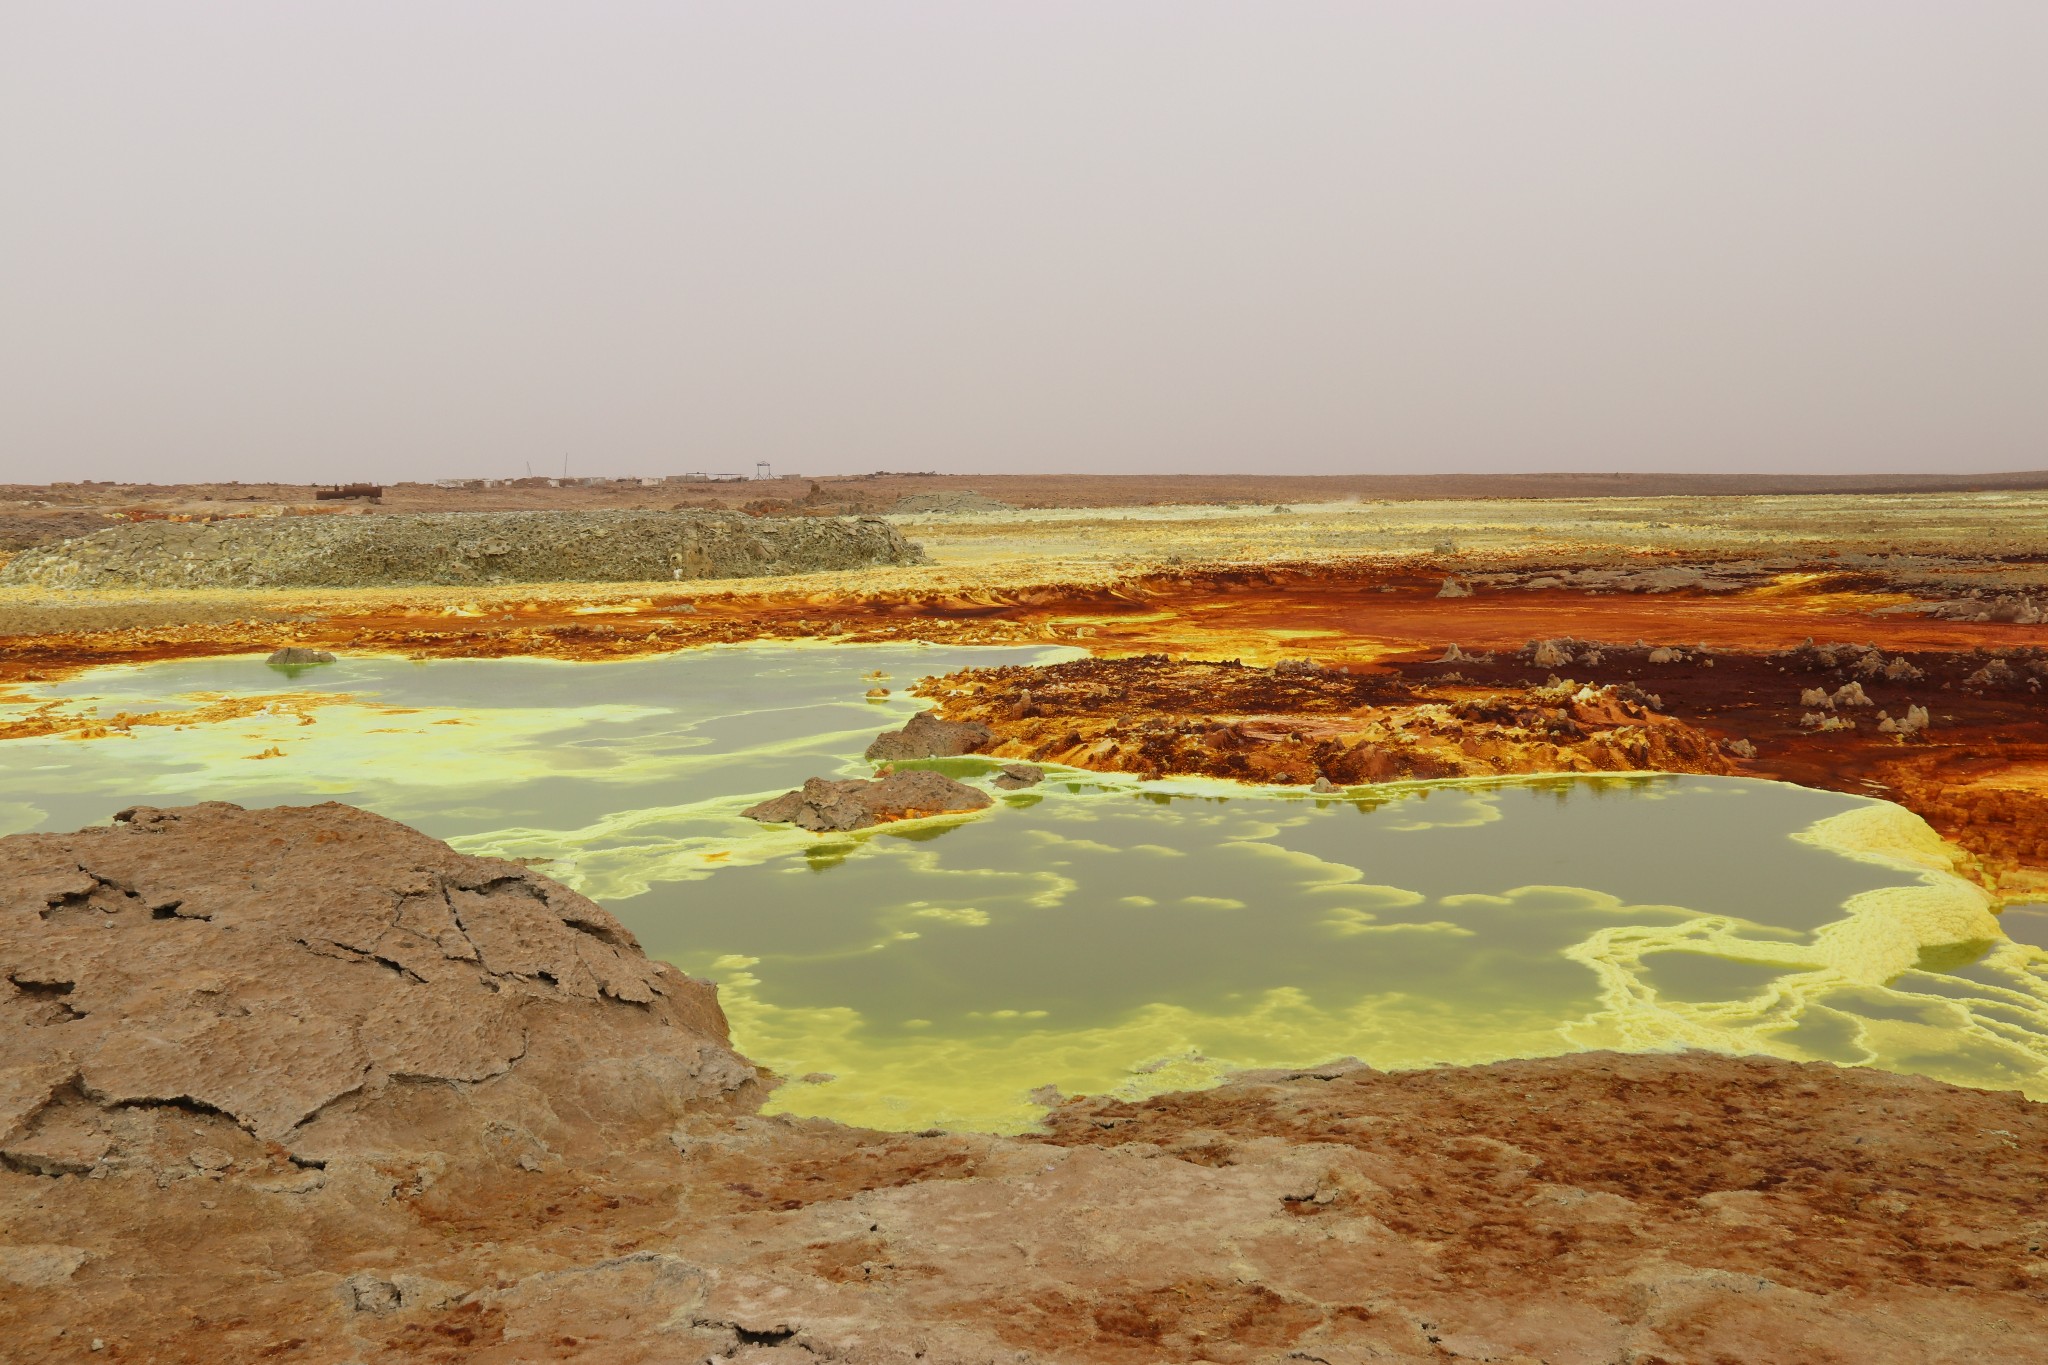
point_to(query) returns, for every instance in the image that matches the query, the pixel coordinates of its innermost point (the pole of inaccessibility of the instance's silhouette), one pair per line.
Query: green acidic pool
(1098, 933)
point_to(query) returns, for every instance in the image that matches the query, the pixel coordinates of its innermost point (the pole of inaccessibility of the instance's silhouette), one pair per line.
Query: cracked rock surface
(307, 973)
(471, 1122)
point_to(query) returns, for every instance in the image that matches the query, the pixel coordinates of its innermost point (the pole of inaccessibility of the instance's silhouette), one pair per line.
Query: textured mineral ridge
(305, 1085)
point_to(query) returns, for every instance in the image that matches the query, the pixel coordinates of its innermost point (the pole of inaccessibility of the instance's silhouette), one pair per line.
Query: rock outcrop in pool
(927, 735)
(822, 804)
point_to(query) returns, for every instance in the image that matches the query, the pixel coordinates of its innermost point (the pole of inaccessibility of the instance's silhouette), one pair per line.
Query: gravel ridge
(453, 548)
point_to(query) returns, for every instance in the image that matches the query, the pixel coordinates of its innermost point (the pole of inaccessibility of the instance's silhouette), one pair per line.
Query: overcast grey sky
(269, 239)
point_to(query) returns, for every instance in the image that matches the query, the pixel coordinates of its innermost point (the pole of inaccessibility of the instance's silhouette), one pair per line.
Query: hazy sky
(420, 239)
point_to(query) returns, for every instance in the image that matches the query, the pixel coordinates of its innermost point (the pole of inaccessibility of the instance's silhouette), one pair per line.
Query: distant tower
(761, 470)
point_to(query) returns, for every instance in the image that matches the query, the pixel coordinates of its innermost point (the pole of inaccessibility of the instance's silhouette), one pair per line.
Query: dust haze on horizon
(381, 240)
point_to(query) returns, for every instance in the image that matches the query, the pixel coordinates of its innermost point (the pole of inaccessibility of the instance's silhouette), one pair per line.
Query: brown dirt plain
(1586, 1209)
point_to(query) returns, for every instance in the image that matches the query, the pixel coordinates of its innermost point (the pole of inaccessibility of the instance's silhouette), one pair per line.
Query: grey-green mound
(459, 548)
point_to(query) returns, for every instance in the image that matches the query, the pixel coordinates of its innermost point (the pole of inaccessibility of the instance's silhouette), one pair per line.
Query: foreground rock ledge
(304, 1085)
(329, 983)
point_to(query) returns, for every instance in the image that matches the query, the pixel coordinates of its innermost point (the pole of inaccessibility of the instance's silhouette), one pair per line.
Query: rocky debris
(1561, 652)
(823, 804)
(2018, 608)
(1997, 673)
(1016, 776)
(1715, 578)
(965, 500)
(1872, 665)
(1850, 693)
(1865, 662)
(1741, 748)
(1665, 654)
(297, 656)
(1323, 786)
(926, 735)
(1296, 668)
(458, 548)
(209, 989)
(1021, 706)
(1915, 721)
(364, 1292)
(1453, 588)
(1455, 655)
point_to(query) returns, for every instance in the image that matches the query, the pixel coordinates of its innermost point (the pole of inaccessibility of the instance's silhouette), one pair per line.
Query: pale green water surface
(1098, 933)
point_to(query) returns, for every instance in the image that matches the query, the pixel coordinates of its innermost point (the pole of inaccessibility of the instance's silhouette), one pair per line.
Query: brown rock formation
(292, 656)
(1017, 776)
(928, 736)
(313, 981)
(303, 1085)
(855, 803)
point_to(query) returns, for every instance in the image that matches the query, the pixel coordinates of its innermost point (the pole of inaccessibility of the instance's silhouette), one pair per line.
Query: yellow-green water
(1100, 933)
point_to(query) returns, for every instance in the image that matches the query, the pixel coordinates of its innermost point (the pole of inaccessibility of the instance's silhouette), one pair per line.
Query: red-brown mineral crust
(1296, 722)
(304, 1085)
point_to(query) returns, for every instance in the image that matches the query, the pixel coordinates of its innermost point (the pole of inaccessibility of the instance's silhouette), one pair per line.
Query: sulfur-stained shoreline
(1952, 586)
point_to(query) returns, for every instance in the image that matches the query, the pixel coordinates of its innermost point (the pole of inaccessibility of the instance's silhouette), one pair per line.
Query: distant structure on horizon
(590, 481)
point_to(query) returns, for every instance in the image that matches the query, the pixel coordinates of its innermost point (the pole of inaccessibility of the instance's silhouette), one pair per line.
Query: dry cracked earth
(304, 1085)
